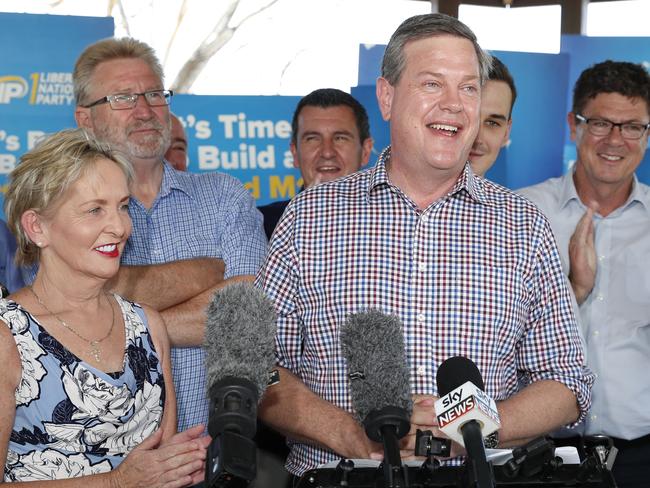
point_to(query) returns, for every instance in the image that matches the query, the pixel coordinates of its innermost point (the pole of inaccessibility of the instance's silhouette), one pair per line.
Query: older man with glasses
(192, 234)
(600, 214)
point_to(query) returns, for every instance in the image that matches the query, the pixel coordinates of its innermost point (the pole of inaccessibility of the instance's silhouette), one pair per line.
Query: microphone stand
(231, 457)
(479, 470)
(387, 426)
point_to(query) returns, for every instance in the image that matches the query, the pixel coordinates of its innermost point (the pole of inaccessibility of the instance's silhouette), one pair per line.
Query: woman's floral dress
(71, 418)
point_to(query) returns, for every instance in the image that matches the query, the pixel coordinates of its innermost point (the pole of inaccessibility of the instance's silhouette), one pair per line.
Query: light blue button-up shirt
(616, 315)
(206, 215)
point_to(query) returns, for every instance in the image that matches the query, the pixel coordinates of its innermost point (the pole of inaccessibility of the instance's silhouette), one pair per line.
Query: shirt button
(594, 417)
(601, 257)
(596, 333)
(420, 317)
(421, 371)
(422, 267)
(600, 297)
(424, 218)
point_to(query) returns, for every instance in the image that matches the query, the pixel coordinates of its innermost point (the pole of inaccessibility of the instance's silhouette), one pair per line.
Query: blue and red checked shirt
(475, 274)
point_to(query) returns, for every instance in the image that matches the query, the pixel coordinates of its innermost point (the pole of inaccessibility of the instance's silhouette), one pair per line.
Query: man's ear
(384, 97)
(506, 136)
(294, 154)
(366, 151)
(573, 131)
(32, 223)
(83, 118)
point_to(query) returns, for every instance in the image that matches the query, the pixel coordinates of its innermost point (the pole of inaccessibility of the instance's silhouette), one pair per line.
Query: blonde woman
(86, 396)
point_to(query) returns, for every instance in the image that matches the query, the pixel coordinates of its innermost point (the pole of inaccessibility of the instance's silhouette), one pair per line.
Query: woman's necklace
(95, 350)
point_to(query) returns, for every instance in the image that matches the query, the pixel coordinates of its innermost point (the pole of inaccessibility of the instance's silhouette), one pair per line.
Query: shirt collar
(637, 195)
(568, 192)
(468, 181)
(378, 174)
(174, 180)
(568, 189)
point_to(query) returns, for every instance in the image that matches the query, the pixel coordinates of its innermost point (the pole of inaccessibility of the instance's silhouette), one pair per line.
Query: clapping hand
(582, 256)
(173, 463)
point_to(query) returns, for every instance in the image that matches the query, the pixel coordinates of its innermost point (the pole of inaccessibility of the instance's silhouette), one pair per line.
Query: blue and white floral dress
(71, 418)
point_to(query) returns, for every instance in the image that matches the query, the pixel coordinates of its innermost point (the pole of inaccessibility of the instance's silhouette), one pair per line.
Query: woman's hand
(174, 463)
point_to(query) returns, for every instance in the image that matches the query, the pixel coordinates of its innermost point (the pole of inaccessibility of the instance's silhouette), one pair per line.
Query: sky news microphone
(373, 346)
(239, 346)
(466, 414)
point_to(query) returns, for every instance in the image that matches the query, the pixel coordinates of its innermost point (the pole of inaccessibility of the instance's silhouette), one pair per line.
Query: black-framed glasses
(602, 127)
(125, 101)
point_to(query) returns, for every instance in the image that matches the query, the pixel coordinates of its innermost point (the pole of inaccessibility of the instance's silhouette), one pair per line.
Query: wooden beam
(573, 11)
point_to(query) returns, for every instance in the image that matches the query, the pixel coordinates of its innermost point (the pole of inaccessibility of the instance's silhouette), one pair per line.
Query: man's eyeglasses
(601, 127)
(125, 101)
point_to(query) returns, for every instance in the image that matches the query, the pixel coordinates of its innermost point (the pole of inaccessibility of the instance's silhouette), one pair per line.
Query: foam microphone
(373, 346)
(239, 346)
(466, 414)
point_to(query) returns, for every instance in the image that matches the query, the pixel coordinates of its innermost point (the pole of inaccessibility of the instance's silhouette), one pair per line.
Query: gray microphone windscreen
(373, 346)
(240, 335)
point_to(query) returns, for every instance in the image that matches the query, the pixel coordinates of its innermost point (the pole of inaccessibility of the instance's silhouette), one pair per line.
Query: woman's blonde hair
(43, 176)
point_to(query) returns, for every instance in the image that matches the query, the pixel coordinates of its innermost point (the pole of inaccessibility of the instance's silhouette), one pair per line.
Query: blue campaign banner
(39, 52)
(247, 137)
(536, 149)
(584, 52)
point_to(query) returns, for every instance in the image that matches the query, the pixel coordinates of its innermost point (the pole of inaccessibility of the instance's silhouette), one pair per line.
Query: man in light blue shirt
(192, 234)
(600, 215)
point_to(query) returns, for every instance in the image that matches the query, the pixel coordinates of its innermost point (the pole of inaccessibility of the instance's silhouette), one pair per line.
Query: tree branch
(179, 20)
(214, 41)
(125, 22)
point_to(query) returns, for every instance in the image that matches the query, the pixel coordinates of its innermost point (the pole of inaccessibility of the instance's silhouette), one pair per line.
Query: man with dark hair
(468, 267)
(330, 139)
(600, 214)
(497, 100)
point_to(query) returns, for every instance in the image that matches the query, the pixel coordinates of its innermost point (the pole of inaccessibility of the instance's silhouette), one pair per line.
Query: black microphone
(373, 346)
(465, 409)
(239, 346)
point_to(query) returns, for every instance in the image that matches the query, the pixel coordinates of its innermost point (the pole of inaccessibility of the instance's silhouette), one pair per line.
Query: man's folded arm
(185, 322)
(162, 286)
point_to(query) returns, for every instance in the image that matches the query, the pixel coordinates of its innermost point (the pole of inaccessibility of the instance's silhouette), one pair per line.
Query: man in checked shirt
(470, 268)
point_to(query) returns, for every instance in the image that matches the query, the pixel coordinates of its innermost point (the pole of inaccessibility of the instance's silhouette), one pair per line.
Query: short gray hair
(107, 50)
(423, 26)
(45, 174)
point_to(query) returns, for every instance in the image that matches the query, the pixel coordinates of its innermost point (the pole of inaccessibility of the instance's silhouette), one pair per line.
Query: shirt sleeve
(243, 242)
(552, 348)
(279, 278)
